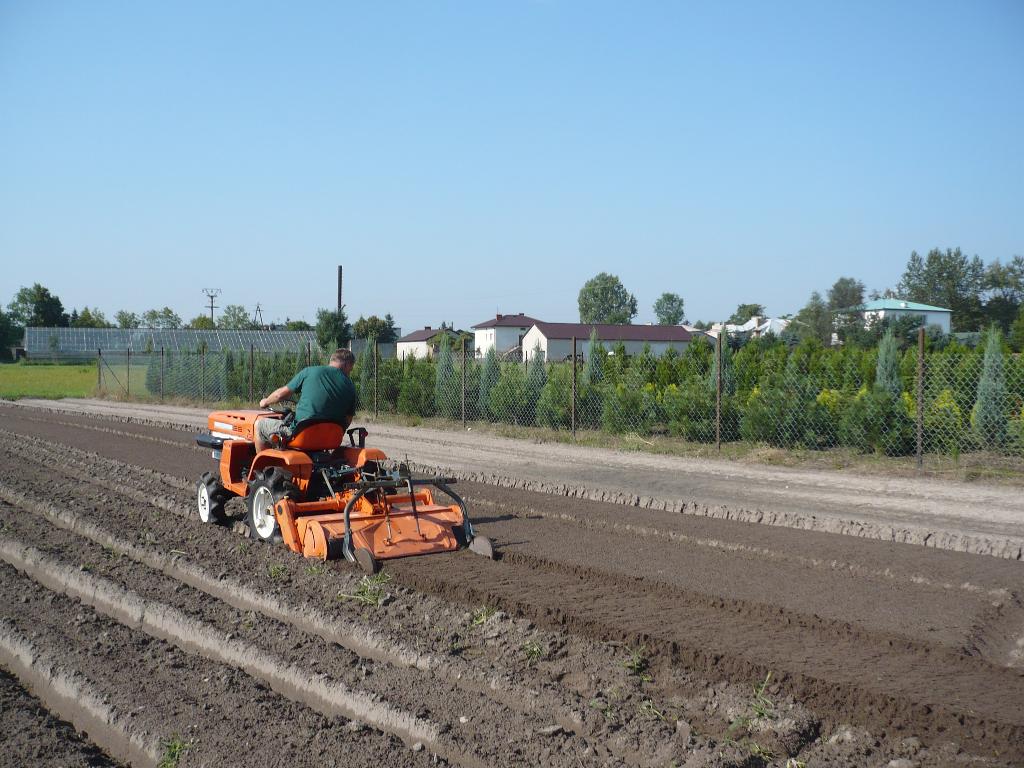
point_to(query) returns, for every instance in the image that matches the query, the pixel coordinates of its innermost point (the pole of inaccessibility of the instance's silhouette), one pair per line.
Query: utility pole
(258, 314)
(211, 294)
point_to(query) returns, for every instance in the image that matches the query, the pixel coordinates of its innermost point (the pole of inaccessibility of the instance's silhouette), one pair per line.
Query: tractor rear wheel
(266, 489)
(210, 498)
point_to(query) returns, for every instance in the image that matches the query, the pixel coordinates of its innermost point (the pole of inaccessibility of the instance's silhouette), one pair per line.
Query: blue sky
(464, 158)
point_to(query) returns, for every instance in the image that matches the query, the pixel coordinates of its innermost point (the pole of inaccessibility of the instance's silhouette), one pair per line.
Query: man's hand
(282, 393)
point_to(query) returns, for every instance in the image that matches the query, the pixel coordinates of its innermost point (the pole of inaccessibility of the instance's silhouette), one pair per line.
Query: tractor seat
(316, 435)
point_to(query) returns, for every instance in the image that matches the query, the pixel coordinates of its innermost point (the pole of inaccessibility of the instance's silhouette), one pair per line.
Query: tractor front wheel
(210, 498)
(265, 490)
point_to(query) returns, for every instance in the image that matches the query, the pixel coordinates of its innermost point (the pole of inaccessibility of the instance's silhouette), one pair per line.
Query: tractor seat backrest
(317, 436)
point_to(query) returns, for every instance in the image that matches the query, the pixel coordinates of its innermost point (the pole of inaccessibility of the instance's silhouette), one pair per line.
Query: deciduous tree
(91, 318)
(332, 329)
(604, 299)
(126, 319)
(235, 318)
(669, 309)
(202, 323)
(165, 319)
(36, 306)
(746, 311)
(382, 329)
(814, 320)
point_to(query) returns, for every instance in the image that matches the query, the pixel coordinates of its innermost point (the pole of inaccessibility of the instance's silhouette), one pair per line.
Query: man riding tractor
(325, 393)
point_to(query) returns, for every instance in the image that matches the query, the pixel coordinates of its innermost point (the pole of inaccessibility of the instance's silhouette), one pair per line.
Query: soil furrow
(166, 696)
(32, 735)
(917, 690)
(404, 687)
(571, 714)
(173, 626)
(74, 697)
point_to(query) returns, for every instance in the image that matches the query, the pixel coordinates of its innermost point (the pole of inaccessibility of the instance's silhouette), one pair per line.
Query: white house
(880, 309)
(754, 327)
(504, 332)
(555, 339)
(423, 343)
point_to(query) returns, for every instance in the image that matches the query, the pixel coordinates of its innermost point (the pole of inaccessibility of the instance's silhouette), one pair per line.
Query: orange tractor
(329, 500)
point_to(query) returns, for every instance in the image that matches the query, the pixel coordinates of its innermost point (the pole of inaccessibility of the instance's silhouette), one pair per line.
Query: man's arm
(282, 393)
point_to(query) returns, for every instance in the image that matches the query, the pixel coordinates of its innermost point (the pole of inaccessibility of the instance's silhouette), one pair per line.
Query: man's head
(343, 359)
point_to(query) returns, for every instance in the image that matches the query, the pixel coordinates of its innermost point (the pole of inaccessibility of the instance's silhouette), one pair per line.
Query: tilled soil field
(602, 634)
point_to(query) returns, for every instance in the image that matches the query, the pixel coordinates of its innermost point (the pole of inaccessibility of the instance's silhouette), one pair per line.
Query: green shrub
(489, 375)
(447, 382)
(508, 396)
(944, 426)
(876, 421)
(553, 404)
(416, 396)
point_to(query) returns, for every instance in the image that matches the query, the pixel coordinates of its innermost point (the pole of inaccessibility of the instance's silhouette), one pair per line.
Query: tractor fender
(296, 463)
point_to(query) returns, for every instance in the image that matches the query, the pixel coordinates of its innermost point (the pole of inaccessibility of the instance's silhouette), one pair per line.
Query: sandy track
(901, 640)
(964, 517)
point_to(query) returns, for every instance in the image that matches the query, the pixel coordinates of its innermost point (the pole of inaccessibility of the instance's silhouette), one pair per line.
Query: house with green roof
(880, 309)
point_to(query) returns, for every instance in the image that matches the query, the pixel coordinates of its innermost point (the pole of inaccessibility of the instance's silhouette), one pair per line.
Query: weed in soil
(637, 664)
(533, 651)
(482, 614)
(316, 570)
(651, 712)
(276, 572)
(174, 749)
(370, 590)
(758, 709)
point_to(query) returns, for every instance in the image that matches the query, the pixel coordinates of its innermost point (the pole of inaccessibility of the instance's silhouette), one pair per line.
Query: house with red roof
(503, 332)
(423, 343)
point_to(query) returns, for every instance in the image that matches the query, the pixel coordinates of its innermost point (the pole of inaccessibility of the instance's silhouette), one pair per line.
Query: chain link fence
(917, 401)
(229, 376)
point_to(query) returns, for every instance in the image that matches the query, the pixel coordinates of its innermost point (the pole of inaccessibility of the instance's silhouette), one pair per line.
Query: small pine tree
(593, 369)
(988, 417)
(887, 370)
(490, 372)
(447, 390)
(536, 378)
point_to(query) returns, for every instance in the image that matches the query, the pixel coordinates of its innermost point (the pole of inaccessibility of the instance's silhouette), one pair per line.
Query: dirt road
(604, 634)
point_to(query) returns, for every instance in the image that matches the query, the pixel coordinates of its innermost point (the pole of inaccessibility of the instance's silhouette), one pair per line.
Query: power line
(212, 293)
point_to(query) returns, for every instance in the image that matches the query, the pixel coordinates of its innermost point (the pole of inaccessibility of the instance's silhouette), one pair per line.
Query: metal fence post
(99, 371)
(128, 377)
(252, 358)
(572, 401)
(202, 375)
(162, 373)
(718, 393)
(920, 397)
(309, 352)
(463, 383)
(376, 351)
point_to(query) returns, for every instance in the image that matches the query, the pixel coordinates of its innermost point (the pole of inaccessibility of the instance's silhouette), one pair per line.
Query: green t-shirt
(324, 393)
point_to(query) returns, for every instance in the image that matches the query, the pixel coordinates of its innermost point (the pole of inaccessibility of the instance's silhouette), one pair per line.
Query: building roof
(426, 334)
(508, 321)
(878, 304)
(608, 332)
